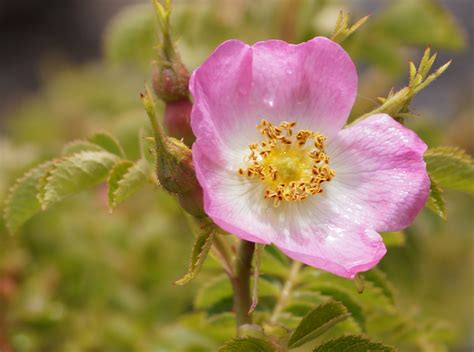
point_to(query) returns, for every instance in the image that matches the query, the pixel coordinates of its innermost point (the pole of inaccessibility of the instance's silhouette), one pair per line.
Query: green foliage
(405, 23)
(80, 145)
(130, 36)
(344, 296)
(107, 142)
(394, 239)
(317, 322)
(214, 294)
(436, 201)
(248, 344)
(379, 281)
(451, 167)
(202, 245)
(125, 179)
(353, 343)
(343, 30)
(22, 202)
(73, 173)
(419, 23)
(88, 280)
(397, 104)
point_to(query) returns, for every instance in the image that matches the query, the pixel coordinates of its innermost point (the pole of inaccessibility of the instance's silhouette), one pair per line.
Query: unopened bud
(180, 178)
(175, 168)
(170, 81)
(192, 202)
(177, 120)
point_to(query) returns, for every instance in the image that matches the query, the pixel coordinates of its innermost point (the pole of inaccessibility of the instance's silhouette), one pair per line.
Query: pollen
(292, 164)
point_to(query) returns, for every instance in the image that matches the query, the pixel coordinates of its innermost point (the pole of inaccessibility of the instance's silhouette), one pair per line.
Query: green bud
(175, 168)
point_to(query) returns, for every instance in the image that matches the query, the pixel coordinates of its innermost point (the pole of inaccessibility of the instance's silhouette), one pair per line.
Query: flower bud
(170, 80)
(192, 202)
(177, 120)
(177, 175)
(175, 168)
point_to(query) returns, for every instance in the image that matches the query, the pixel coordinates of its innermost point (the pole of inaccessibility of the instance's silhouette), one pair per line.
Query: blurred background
(78, 278)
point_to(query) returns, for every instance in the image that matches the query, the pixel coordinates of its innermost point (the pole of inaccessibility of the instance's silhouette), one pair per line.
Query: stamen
(291, 169)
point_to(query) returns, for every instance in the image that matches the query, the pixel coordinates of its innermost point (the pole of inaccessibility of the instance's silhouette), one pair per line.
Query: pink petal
(344, 252)
(313, 83)
(381, 180)
(320, 239)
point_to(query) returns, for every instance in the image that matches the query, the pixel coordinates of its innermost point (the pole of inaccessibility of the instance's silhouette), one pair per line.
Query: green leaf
(378, 280)
(125, 179)
(72, 174)
(22, 202)
(394, 239)
(451, 167)
(318, 321)
(201, 247)
(80, 146)
(248, 344)
(436, 201)
(345, 297)
(353, 343)
(108, 143)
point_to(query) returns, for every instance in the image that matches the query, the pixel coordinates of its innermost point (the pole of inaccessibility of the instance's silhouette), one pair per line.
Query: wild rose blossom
(276, 166)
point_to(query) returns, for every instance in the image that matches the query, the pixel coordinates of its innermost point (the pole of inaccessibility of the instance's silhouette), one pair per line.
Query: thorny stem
(285, 293)
(241, 282)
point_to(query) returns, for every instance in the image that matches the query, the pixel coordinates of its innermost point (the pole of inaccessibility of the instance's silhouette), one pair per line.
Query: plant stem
(241, 282)
(285, 293)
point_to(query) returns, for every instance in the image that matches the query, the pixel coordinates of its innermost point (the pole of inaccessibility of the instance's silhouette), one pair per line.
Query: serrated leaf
(318, 321)
(451, 167)
(201, 247)
(80, 146)
(22, 202)
(247, 344)
(125, 179)
(394, 239)
(353, 343)
(378, 279)
(436, 201)
(345, 297)
(107, 142)
(72, 174)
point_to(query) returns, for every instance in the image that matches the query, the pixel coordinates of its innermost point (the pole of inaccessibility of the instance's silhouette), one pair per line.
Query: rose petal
(300, 229)
(381, 180)
(313, 83)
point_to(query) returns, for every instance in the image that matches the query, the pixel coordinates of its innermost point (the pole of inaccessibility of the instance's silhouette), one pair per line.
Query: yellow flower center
(293, 165)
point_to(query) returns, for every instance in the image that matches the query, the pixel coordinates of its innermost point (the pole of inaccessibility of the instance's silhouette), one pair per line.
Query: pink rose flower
(276, 165)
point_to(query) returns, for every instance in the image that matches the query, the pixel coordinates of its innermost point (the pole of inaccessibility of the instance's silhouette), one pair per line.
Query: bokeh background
(78, 278)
